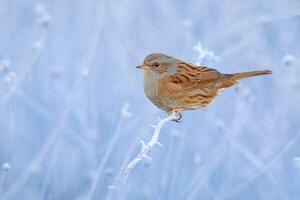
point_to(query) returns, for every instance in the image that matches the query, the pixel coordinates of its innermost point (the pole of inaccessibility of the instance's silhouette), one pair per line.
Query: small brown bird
(173, 85)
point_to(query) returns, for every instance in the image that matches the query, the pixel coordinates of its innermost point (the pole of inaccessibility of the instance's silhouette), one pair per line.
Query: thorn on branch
(143, 144)
(153, 126)
(159, 144)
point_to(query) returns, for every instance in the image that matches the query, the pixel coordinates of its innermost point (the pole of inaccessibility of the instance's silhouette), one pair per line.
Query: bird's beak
(142, 66)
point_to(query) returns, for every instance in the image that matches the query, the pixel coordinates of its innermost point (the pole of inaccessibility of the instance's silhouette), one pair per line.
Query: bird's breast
(150, 88)
(151, 91)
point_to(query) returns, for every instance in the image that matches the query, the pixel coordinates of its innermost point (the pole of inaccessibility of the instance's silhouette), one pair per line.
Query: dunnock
(174, 85)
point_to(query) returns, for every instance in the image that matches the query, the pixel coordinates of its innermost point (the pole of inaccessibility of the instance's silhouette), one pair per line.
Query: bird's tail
(232, 79)
(239, 76)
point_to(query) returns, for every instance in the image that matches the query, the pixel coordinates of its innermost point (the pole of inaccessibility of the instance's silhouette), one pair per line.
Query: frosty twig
(143, 154)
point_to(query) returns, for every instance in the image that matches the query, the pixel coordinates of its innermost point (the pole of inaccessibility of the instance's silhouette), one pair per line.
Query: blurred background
(73, 109)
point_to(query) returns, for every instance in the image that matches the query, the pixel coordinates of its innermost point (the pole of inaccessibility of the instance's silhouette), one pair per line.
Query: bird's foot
(179, 117)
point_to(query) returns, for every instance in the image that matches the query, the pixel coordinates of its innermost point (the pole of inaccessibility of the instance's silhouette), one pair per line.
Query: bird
(174, 85)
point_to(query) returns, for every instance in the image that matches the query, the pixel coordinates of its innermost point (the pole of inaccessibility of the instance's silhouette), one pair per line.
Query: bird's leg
(178, 114)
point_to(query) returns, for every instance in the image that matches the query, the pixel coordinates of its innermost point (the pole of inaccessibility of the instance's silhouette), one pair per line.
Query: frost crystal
(125, 110)
(4, 65)
(6, 167)
(297, 161)
(288, 59)
(43, 17)
(10, 78)
(204, 54)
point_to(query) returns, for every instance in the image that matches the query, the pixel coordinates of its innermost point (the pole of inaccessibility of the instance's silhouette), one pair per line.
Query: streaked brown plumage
(174, 85)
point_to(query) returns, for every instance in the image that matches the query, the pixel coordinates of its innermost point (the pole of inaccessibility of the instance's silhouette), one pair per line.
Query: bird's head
(159, 64)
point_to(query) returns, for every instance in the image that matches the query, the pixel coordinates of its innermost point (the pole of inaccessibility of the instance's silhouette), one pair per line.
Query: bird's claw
(178, 120)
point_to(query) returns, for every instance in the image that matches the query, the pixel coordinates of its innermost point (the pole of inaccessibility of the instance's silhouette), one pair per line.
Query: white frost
(204, 54)
(125, 110)
(6, 167)
(146, 148)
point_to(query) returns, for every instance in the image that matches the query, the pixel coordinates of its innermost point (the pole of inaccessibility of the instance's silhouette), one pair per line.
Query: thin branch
(146, 148)
(5, 168)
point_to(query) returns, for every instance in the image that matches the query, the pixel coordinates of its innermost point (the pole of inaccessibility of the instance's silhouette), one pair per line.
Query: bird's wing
(197, 73)
(190, 77)
(191, 85)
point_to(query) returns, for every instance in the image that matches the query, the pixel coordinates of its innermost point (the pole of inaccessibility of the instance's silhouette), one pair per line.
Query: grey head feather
(162, 59)
(155, 56)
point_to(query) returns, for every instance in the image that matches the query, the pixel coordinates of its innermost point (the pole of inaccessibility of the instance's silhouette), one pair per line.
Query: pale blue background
(67, 68)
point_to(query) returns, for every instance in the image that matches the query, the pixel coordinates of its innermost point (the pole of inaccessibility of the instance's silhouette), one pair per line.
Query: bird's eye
(156, 65)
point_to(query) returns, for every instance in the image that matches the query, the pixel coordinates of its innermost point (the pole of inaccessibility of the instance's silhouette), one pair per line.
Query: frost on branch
(4, 65)
(5, 168)
(288, 59)
(146, 147)
(204, 54)
(297, 161)
(125, 110)
(43, 17)
(10, 78)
